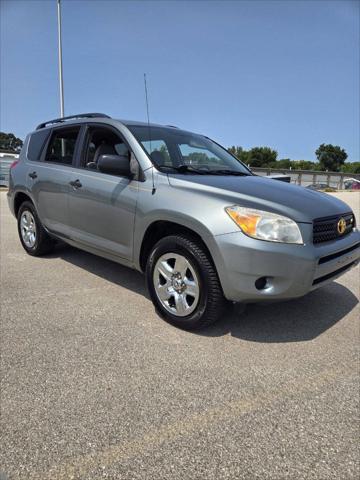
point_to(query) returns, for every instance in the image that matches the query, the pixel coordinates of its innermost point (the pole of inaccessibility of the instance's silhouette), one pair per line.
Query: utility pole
(61, 82)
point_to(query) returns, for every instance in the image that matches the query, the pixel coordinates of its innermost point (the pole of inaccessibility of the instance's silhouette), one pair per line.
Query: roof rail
(72, 117)
(172, 126)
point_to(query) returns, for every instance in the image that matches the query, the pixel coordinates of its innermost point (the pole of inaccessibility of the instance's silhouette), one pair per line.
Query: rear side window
(61, 147)
(36, 144)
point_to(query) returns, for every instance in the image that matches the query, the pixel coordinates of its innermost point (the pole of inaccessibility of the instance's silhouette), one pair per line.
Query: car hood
(298, 203)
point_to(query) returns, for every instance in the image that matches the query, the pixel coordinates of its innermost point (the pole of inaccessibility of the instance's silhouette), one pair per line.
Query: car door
(102, 206)
(48, 179)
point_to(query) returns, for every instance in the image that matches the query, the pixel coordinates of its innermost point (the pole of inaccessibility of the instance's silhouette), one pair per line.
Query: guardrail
(5, 163)
(308, 177)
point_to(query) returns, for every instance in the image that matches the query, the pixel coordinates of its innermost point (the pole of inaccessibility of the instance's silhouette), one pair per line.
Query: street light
(61, 83)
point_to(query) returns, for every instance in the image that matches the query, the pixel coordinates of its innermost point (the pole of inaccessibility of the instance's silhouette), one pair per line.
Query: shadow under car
(295, 320)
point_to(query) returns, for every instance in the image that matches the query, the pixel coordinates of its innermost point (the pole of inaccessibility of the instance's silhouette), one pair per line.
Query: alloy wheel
(176, 284)
(28, 228)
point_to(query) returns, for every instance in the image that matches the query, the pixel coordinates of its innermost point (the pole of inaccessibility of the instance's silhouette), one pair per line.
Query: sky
(283, 74)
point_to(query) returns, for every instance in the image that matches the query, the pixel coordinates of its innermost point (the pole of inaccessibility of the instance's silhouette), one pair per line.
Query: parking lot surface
(95, 385)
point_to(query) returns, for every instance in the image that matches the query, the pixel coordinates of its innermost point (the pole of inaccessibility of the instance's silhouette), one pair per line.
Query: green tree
(261, 157)
(235, 150)
(240, 153)
(283, 163)
(351, 167)
(10, 143)
(304, 165)
(331, 157)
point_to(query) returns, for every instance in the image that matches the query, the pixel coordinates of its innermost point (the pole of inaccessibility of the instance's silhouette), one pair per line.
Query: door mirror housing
(114, 165)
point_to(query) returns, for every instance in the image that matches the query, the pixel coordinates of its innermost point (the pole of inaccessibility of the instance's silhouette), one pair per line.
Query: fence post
(341, 181)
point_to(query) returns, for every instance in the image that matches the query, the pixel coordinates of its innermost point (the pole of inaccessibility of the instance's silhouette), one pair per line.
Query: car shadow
(110, 271)
(297, 320)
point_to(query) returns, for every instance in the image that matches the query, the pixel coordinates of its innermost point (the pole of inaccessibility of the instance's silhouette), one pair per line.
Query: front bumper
(291, 270)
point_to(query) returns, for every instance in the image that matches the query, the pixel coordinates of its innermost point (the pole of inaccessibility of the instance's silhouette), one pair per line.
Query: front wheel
(183, 283)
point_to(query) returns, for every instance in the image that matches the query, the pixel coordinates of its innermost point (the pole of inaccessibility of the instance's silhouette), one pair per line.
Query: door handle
(76, 183)
(33, 175)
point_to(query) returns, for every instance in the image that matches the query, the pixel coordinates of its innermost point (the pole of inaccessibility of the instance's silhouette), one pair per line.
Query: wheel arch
(163, 228)
(19, 198)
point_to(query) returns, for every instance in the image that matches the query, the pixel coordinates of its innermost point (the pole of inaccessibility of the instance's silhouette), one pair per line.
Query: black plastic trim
(333, 274)
(327, 258)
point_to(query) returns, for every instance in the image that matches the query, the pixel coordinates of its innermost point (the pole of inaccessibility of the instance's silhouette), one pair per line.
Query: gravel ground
(95, 385)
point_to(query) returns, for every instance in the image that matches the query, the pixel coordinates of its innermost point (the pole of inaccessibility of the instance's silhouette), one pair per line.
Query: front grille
(326, 229)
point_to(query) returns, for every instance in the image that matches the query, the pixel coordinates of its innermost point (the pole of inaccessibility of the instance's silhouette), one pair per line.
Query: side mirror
(114, 165)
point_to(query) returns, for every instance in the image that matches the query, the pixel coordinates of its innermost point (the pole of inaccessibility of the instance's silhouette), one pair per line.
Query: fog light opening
(261, 283)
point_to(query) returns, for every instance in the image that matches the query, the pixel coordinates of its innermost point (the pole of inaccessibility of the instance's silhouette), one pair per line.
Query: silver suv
(179, 207)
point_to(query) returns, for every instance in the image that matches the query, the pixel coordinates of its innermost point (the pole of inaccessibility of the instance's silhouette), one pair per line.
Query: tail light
(14, 164)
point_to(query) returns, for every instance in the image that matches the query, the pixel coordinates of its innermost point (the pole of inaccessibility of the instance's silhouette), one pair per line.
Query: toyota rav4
(179, 207)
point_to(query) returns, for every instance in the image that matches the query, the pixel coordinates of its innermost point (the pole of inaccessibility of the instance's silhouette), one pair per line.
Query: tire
(183, 304)
(40, 243)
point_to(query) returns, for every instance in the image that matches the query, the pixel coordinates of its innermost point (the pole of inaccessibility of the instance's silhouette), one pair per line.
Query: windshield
(171, 149)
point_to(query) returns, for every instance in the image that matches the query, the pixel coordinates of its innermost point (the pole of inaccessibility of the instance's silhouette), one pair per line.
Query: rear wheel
(33, 236)
(183, 283)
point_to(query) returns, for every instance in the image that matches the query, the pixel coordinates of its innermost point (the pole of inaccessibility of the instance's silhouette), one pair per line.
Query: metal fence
(5, 162)
(307, 177)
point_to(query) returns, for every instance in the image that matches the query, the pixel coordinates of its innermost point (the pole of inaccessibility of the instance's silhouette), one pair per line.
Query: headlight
(265, 225)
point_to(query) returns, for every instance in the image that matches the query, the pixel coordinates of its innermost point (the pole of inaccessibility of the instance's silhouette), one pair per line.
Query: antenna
(148, 121)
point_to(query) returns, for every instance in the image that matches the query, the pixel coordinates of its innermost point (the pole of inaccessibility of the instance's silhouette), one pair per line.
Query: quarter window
(36, 144)
(62, 146)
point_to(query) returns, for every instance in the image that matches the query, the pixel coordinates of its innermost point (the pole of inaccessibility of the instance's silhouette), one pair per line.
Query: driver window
(158, 151)
(102, 141)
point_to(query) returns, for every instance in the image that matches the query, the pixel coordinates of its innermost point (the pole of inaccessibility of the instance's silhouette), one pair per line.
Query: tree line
(329, 158)
(10, 143)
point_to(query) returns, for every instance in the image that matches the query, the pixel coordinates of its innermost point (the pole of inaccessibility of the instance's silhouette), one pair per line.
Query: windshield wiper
(228, 172)
(183, 169)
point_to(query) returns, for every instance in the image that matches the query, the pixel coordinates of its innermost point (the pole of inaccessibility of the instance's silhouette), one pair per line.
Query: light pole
(61, 83)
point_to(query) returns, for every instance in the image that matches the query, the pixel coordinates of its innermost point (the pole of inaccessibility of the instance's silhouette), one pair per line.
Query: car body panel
(301, 205)
(291, 269)
(102, 212)
(51, 197)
